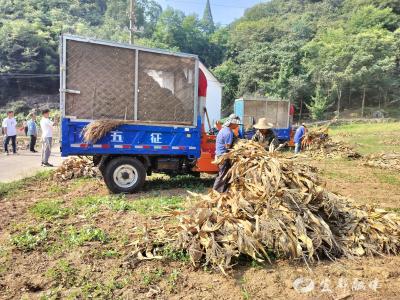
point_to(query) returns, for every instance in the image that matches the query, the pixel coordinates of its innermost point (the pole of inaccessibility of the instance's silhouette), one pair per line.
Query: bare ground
(57, 268)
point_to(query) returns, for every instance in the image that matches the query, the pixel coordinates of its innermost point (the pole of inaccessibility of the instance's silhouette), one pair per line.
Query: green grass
(63, 274)
(144, 206)
(11, 188)
(30, 238)
(149, 206)
(78, 237)
(388, 178)
(183, 181)
(368, 137)
(152, 277)
(49, 210)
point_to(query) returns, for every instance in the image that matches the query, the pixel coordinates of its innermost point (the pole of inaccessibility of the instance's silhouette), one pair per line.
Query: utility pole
(132, 21)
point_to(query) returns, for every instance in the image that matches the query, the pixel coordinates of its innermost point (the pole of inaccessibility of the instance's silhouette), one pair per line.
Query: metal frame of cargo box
(283, 134)
(63, 75)
(183, 140)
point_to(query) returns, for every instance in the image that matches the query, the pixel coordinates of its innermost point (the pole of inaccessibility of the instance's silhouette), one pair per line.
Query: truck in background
(160, 94)
(276, 111)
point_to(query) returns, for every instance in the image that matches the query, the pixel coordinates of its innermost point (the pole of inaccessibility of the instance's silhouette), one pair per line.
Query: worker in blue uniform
(298, 137)
(224, 142)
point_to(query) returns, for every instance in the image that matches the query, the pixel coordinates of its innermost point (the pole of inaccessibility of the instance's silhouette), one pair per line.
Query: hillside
(322, 55)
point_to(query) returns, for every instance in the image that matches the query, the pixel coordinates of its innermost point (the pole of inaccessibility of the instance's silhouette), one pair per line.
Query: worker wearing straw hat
(225, 141)
(265, 135)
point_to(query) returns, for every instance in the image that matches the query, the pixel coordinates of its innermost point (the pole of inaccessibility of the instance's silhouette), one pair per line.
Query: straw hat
(263, 124)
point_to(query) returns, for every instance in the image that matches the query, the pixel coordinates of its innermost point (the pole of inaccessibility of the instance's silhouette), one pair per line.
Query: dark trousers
(32, 143)
(13, 142)
(221, 183)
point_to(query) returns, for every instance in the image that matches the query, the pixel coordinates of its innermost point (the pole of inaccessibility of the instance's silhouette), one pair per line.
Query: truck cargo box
(106, 80)
(276, 111)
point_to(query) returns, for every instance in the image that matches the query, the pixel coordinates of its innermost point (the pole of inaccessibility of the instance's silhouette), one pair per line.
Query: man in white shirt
(47, 137)
(10, 132)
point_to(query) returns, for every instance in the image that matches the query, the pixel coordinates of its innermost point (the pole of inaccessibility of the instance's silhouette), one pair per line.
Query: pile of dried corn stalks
(275, 206)
(75, 167)
(318, 144)
(389, 161)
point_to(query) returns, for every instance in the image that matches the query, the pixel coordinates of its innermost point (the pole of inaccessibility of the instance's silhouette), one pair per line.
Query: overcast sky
(224, 11)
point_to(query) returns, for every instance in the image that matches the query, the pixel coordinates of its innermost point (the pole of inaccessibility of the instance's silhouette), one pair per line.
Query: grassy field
(370, 138)
(75, 241)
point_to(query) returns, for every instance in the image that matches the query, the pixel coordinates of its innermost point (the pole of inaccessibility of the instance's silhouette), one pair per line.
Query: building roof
(210, 76)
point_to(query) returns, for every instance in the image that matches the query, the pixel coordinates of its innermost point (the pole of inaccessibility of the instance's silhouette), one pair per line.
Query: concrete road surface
(14, 167)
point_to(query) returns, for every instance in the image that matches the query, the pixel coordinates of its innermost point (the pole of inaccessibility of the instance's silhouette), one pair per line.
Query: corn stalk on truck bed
(160, 94)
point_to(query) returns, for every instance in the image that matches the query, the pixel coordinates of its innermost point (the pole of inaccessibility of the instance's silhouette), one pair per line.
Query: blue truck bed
(133, 139)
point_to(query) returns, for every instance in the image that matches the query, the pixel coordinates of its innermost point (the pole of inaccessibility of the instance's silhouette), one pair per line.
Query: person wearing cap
(298, 137)
(265, 135)
(224, 142)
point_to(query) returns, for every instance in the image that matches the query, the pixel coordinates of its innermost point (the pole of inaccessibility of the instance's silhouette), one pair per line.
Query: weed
(88, 234)
(12, 188)
(388, 179)
(30, 238)
(118, 203)
(396, 210)
(157, 205)
(256, 265)
(49, 210)
(63, 273)
(115, 203)
(100, 290)
(173, 279)
(176, 255)
(111, 253)
(245, 293)
(182, 181)
(150, 278)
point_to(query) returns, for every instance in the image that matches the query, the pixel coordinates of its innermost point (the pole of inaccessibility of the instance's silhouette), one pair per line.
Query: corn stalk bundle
(318, 144)
(389, 161)
(75, 167)
(325, 147)
(96, 130)
(276, 206)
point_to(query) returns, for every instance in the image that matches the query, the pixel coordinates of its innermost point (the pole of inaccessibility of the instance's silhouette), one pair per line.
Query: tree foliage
(347, 51)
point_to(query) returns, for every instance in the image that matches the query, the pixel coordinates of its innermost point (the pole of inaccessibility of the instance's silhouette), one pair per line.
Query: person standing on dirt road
(10, 132)
(225, 140)
(298, 137)
(46, 126)
(32, 132)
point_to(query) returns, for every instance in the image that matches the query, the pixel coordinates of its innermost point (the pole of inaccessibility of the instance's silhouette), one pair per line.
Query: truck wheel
(124, 175)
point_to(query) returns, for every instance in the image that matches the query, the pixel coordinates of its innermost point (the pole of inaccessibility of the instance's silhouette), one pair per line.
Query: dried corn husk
(75, 167)
(318, 144)
(389, 161)
(95, 130)
(276, 206)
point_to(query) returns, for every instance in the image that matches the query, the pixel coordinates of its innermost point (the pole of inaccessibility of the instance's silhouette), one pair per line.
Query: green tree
(319, 104)
(208, 21)
(228, 74)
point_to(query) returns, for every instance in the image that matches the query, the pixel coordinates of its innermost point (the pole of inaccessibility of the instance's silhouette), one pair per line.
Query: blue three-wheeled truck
(159, 94)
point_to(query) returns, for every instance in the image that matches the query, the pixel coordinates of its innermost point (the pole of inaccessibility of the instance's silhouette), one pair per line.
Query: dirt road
(14, 167)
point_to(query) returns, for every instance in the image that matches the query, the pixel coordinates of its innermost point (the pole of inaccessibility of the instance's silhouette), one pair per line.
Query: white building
(214, 97)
